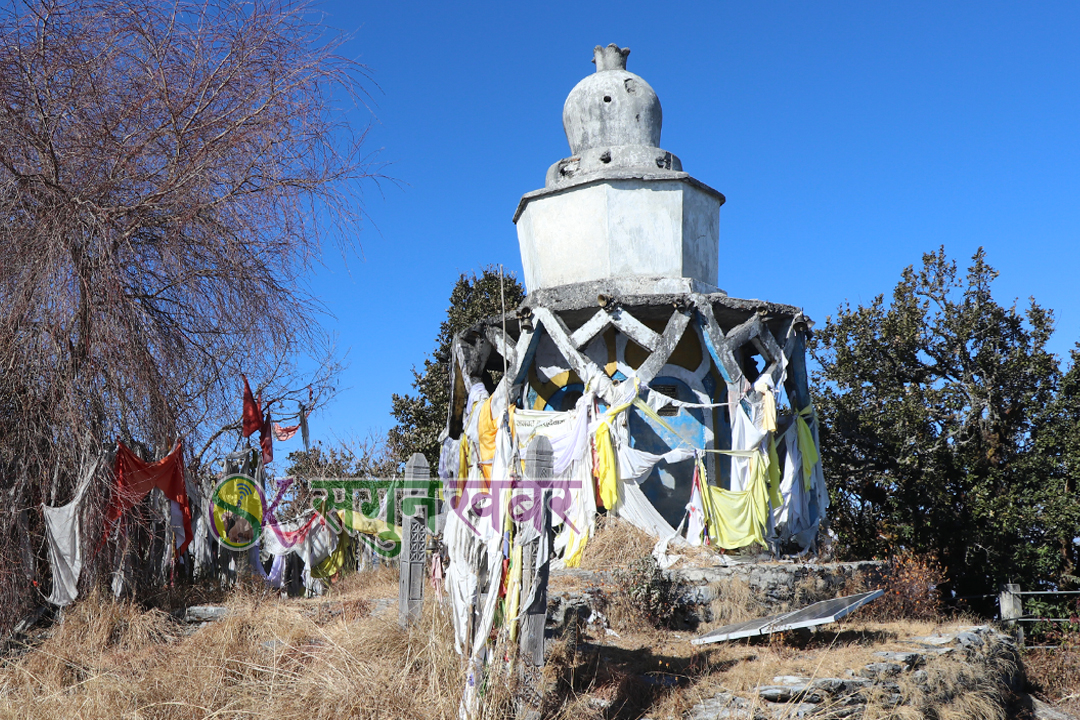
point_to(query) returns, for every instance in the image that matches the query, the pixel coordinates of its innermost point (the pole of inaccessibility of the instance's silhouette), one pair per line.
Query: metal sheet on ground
(820, 613)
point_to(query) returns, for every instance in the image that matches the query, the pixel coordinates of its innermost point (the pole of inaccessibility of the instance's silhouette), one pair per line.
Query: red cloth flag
(252, 412)
(266, 439)
(135, 478)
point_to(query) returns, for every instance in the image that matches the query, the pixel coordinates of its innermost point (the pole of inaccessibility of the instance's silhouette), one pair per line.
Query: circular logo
(236, 512)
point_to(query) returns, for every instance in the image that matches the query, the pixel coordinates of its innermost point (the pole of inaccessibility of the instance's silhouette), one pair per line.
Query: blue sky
(849, 138)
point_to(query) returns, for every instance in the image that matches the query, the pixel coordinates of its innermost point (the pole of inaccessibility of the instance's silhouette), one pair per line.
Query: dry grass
(1054, 675)
(662, 675)
(332, 657)
(375, 584)
(697, 556)
(326, 658)
(615, 544)
(736, 603)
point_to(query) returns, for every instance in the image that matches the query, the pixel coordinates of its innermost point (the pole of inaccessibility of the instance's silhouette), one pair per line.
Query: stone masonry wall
(779, 586)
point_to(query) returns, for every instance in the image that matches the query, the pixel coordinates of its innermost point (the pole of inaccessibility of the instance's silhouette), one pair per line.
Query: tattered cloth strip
(567, 431)
(281, 536)
(308, 537)
(135, 478)
(635, 465)
(745, 436)
(304, 427)
(63, 529)
(281, 434)
(305, 411)
(636, 509)
(266, 439)
(793, 516)
(277, 573)
(252, 411)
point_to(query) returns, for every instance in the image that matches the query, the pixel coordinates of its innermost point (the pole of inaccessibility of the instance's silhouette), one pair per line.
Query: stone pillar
(1011, 608)
(539, 461)
(413, 557)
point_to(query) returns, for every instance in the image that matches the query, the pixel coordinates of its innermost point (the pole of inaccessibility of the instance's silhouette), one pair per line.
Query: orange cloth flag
(135, 478)
(487, 429)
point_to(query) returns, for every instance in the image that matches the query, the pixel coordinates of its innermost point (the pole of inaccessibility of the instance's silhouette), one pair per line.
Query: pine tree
(422, 416)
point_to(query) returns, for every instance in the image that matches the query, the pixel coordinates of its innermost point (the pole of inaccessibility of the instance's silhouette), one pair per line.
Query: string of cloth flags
(134, 478)
(776, 493)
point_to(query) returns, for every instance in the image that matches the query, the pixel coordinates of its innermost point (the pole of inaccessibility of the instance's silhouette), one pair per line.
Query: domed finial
(611, 107)
(612, 120)
(611, 57)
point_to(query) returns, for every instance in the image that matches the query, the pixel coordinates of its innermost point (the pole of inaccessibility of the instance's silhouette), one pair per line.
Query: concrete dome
(612, 107)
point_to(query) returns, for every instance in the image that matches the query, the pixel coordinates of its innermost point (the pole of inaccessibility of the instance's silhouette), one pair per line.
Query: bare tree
(166, 175)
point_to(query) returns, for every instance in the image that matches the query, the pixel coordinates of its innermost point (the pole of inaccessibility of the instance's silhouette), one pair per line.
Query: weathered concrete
(611, 107)
(777, 585)
(620, 205)
(620, 228)
(539, 459)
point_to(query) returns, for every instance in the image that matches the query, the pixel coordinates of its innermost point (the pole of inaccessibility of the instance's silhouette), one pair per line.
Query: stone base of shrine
(774, 586)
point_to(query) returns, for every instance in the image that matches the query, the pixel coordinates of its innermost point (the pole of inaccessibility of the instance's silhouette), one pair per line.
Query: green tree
(422, 416)
(933, 409)
(1052, 514)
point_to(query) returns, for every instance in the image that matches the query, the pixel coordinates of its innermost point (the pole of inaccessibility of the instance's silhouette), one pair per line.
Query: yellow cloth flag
(768, 407)
(774, 474)
(736, 519)
(343, 558)
(575, 547)
(807, 446)
(607, 476)
(463, 458)
(513, 592)
(358, 522)
(573, 557)
(487, 429)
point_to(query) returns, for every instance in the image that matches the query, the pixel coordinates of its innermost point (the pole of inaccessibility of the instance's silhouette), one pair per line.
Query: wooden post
(1012, 608)
(412, 560)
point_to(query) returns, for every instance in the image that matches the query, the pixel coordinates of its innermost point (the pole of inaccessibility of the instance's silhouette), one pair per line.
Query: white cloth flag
(63, 529)
(744, 436)
(635, 465)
